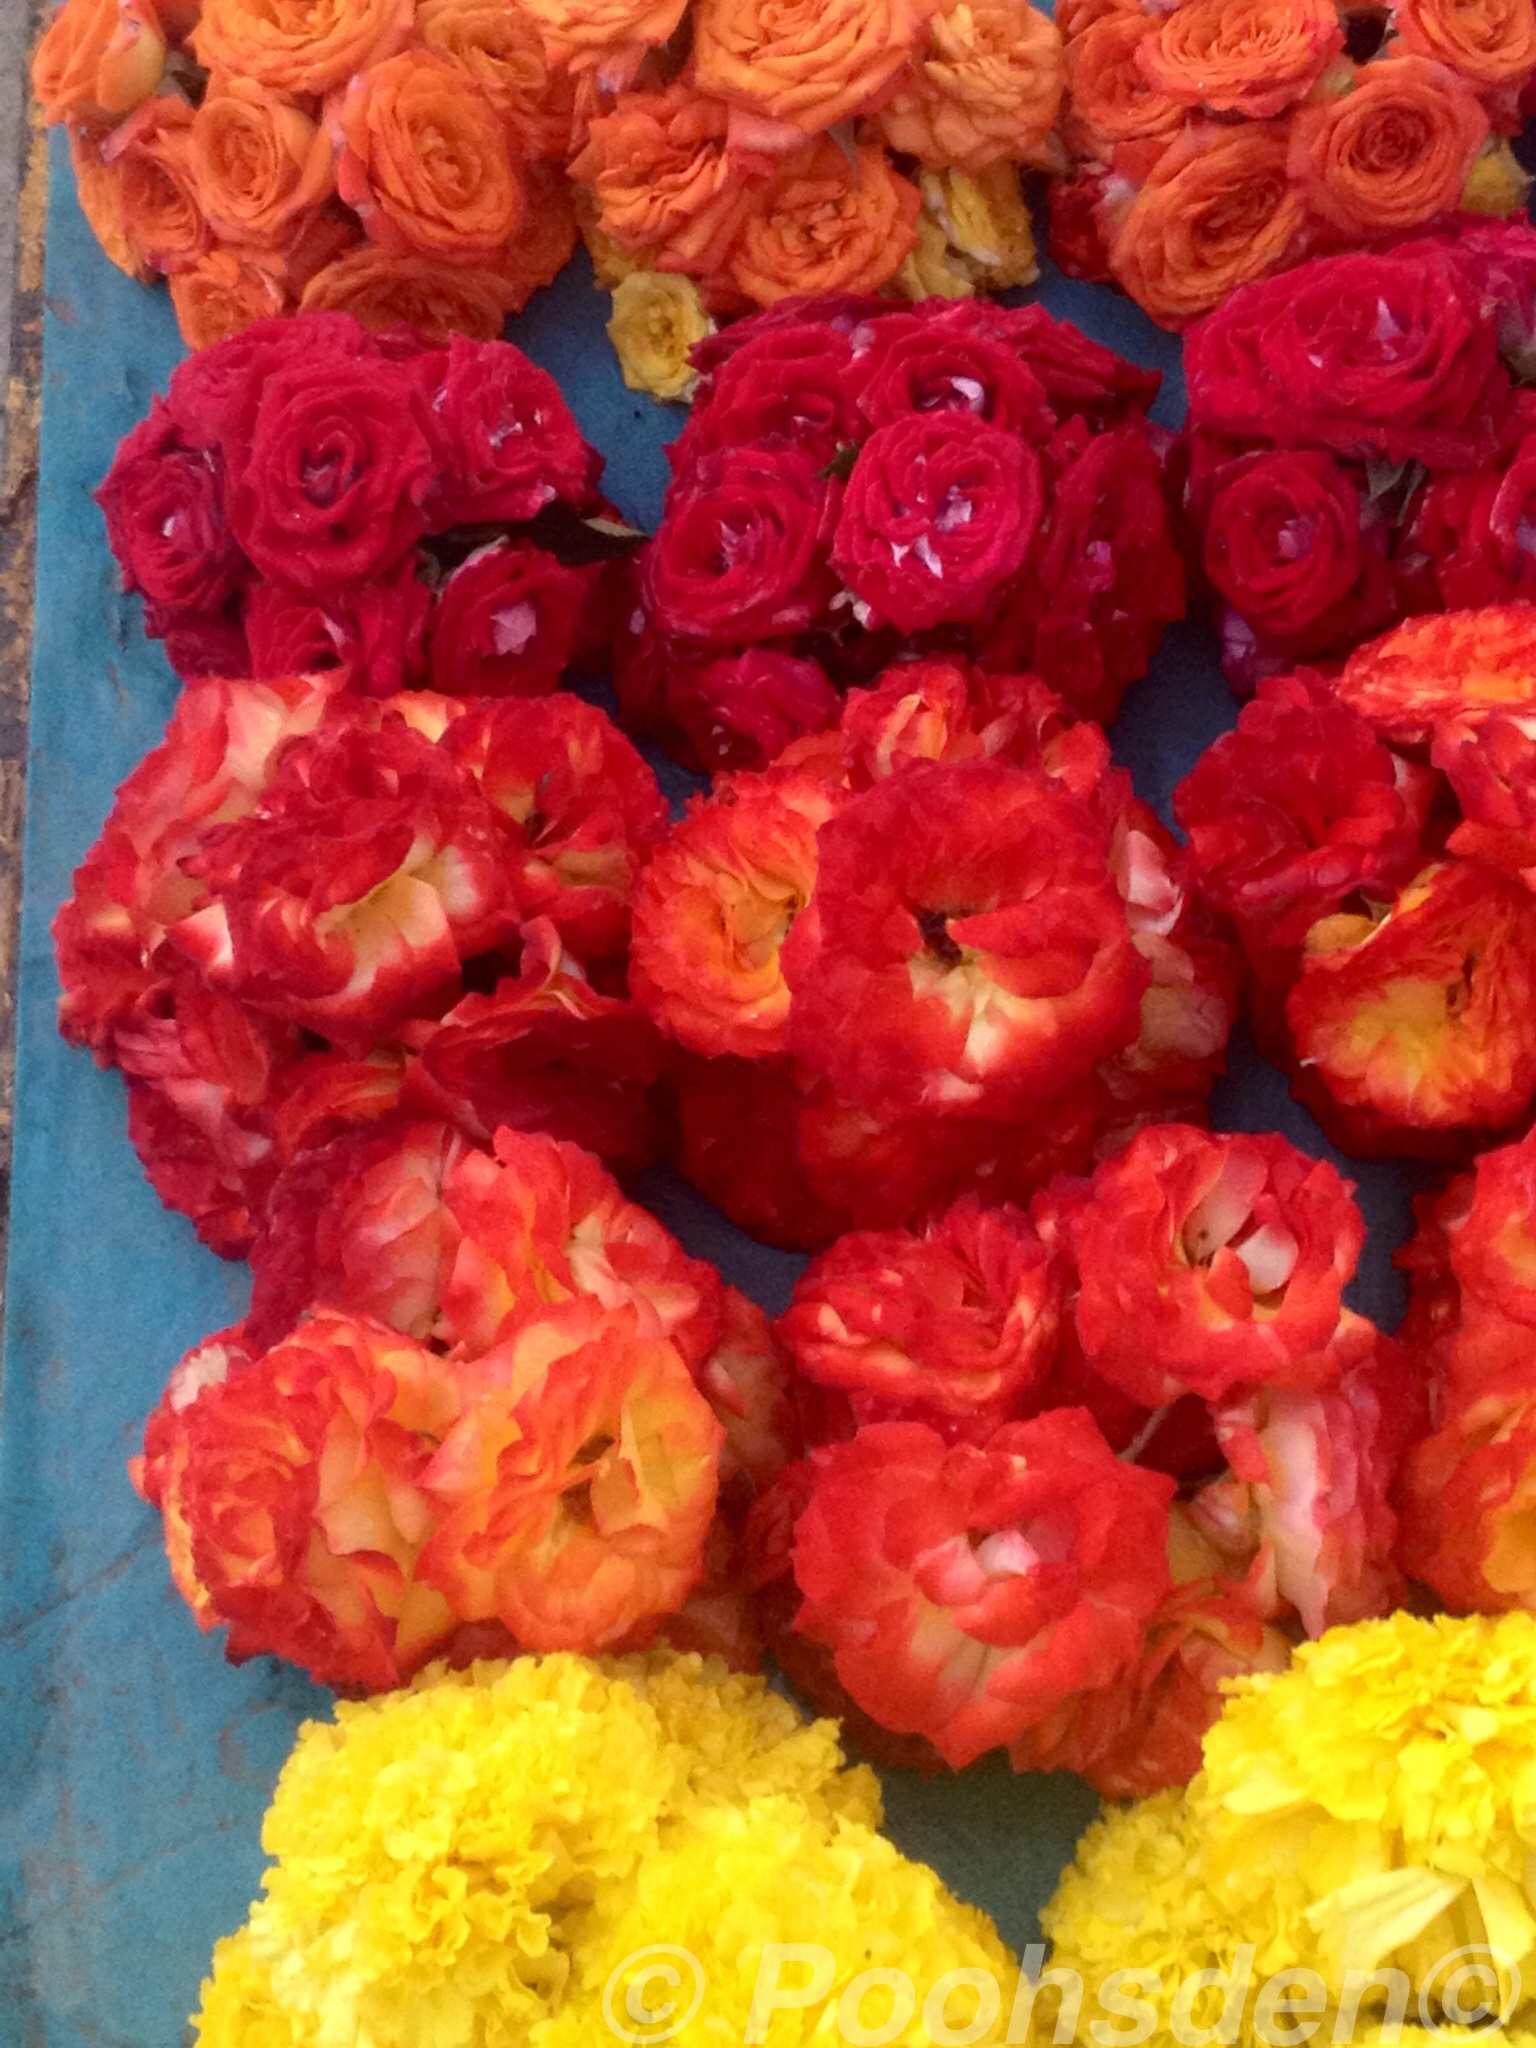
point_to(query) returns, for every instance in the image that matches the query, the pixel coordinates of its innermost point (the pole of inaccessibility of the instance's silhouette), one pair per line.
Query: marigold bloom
(965, 950)
(1394, 152)
(1469, 664)
(984, 88)
(577, 1485)
(951, 1324)
(97, 60)
(825, 224)
(1419, 1021)
(1254, 58)
(966, 1591)
(1216, 210)
(1209, 1260)
(714, 907)
(297, 46)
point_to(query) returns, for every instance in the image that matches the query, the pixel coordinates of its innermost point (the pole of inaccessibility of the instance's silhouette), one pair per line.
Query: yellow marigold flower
(465, 1863)
(657, 318)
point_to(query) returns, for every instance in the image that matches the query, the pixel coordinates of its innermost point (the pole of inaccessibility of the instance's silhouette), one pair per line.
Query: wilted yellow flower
(986, 224)
(1495, 184)
(934, 270)
(657, 318)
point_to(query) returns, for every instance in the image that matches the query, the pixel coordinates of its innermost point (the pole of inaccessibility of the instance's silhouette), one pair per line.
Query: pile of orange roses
(409, 162)
(397, 163)
(1216, 142)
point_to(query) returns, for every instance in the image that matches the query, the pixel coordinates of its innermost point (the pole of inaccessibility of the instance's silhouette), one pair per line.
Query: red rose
(945, 362)
(741, 554)
(339, 466)
(738, 1145)
(1099, 587)
(207, 644)
(373, 630)
(965, 950)
(964, 1591)
(509, 444)
(1391, 356)
(163, 501)
(1490, 1234)
(788, 388)
(1466, 1512)
(1284, 545)
(506, 621)
(742, 711)
(939, 512)
(841, 313)
(216, 395)
(1078, 375)
(1295, 811)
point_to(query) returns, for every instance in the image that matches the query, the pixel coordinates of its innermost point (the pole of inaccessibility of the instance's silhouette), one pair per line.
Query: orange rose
(1110, 99)
(1249, 57)
(987, 88)
(1492, 41)
(544, 243)
(256, 161)
(661, 173)
(426, 163)
(826, 225)
(99, 188)
(98, 60)
(303, 46)
(502, 46)
(810, 63)
(1216, 211)
(1073, 17)
(1392, 153)
(597, 28)
(224, 292)
(161, 218)
(384, 289)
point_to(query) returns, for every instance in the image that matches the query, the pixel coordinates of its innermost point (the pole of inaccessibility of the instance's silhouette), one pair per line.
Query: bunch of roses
(400, 162)
(857, 485)
(1466, 1506)
(481, 1402)
(310, 907)
(1070, 1469)
(306, 498)
(939, 947)
(785, 147)
(1215, 143)
(1373, 842)
(1361, 445)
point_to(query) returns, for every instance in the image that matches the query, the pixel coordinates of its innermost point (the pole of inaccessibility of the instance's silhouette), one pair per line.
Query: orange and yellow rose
(1110, 99)
(502, 46)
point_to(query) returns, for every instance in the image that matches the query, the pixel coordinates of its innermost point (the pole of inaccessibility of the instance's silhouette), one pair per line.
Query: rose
(1216, 211)
(1489, 1233)
(786, 387)
(305, 50)
(214, 397)
(1283, 543)
(616, 29)
(657, 318)
(665, 178)
(826, 224)
(965, 1591)
(810, 63)
(509, 443)
(505, 622)
(1207, 1262)
(426, 160)
(947, 361)
(256, 161)
(1437, 668)
(503, 51)
(738, 1145)
(743, 710)
(939, 512)
(151, 152)
(385, 288)
(1109, 97)
(207, 644)
(98, 187)
(984, 89)
(336, 476)
(741, 554)
(1466, 1519)
(1492, 42)
(164, 506)
(1253, 58)
(97, 60)
(1394, 152)
(1388, 356)
(224, 291)
(374, 630)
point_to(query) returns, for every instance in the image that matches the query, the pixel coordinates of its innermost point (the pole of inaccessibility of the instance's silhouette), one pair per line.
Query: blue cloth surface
(136, 1762)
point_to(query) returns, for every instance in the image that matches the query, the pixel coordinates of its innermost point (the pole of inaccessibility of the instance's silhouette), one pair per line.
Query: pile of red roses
(481, 1403)
(1361, 444)
(859, 483)
(939, 947)
(1373, 842)
(308, 496)
(1071, 1469)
